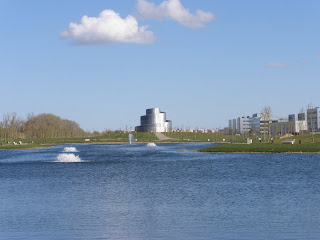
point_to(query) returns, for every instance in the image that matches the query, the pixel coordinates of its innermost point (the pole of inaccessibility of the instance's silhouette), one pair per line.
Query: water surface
(123, 191)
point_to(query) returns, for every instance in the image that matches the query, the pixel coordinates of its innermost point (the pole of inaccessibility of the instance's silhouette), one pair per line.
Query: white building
(297, 123)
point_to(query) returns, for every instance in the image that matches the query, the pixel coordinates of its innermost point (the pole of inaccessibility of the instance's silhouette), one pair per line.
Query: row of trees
(38, 126)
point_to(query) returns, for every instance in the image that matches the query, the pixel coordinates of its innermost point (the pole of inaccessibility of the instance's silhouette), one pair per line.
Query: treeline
(38, 126)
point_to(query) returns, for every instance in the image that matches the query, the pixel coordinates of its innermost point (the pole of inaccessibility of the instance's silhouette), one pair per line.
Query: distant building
(255, 123)
(259, 125)
(243, 125)
(279, 125)
(233, 126)
(154, 121)
(313, 119)
(293, 123)
(297, 123)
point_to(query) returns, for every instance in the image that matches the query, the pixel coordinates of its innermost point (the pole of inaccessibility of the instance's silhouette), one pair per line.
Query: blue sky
(230, 60)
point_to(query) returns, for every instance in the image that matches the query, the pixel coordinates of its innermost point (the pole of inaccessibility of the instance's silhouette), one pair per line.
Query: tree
(277, 128)
(1, 131)
(38, 126)
(51, 126)
(311, 119)
(11, 126)
(266, 116)
(301, 121)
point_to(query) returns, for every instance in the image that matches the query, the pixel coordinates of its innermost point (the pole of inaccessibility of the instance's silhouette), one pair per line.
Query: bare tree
(266, 116)
(1, 131)
(38, 126)
(276, 128)
(51, 126)
(11, 126)
(301, 121)
(311, 120)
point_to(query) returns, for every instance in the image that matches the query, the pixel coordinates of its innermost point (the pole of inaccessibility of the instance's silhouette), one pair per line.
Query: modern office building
(255, 123)
(243, 125)
(154, 121)
(297, 123)
(313, 119)
(279, 125)
(259, 125)
(293, 123)
(233, 126)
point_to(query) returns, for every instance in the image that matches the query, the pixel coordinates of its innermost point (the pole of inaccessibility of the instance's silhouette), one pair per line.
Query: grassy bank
(204, 137)
(309, 144)
(264, 148)
(210, 137)
(46, 142)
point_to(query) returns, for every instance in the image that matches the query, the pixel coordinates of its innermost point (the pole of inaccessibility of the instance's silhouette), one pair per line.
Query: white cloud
(173, 9)
(277, 65)
(108, 27)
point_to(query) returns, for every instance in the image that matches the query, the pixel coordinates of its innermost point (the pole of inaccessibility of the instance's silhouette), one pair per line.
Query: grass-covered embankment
(264, 148)
(116, 137)
(204, 137)
(309, 144)
(24, 146)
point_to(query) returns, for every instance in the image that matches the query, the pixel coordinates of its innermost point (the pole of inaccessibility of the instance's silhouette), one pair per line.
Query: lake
(122, 191)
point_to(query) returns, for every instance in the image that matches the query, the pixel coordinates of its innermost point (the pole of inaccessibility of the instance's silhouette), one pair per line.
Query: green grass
(203, 137)
(308, 138)
(265, 148)
(45, 142)
(121, 137)
(28, 146)
(308, 145)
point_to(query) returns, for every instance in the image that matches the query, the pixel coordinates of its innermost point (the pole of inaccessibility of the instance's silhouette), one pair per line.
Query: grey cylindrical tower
(154, 121)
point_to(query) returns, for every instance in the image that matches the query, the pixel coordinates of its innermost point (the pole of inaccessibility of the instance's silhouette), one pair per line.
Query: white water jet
(70, 149)
(131, 138)
(151, 145)
(68, 157)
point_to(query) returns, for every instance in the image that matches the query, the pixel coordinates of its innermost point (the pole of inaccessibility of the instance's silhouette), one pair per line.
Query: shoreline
(45, 146)
(50, 145)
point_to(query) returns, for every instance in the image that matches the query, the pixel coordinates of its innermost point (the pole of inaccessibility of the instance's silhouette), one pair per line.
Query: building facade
(313, 119)
(243, 125)
(233, 126)
(293, 124)
(154, 121)
(297, 123)
(255, 123)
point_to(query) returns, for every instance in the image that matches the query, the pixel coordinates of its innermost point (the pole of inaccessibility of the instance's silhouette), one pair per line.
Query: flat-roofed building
(313, 119)
(233, 123)
(243, 125)
(255, 123)
(297, 123)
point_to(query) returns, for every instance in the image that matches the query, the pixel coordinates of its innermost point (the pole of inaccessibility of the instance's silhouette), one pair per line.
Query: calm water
(140, 192)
